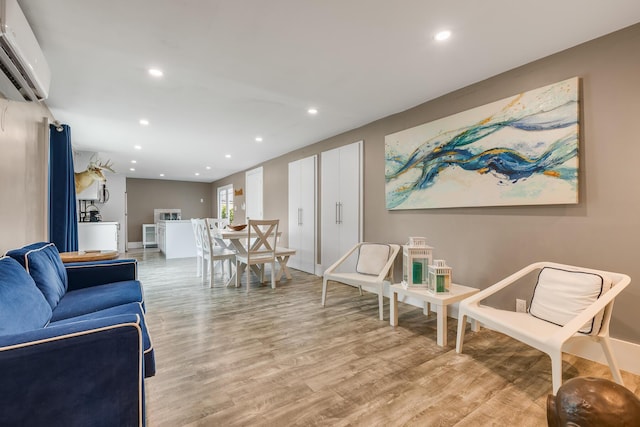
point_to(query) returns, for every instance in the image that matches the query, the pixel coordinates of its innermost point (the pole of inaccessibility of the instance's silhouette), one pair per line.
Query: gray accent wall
(486, 244)
(145, 195)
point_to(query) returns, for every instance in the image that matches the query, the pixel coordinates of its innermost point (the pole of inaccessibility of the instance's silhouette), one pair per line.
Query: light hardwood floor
(277, 358)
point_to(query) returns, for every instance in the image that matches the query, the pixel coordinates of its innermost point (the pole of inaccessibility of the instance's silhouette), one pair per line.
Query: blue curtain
(63, 223)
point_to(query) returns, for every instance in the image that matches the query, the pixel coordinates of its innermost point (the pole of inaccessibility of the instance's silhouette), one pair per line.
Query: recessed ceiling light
(134, 161)
(258, 139)
(161, 174)
(197, 173)
(137, 147)
(132, 169)
(442, 35)
(208, 167)
(312, 111)
(156, 72)
(228, 156)
(144, 122)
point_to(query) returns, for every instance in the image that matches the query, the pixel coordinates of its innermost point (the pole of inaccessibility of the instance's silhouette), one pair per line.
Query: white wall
(23, 173)
(114, 208)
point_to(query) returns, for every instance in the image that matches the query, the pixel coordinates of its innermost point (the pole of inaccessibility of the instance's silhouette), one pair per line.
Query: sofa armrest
(84, 373)
(87, 274)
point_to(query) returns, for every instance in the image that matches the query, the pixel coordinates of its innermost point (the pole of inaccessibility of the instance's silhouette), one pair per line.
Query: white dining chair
(200, 256)
(213, 252)
(262, 250)
(216, 226)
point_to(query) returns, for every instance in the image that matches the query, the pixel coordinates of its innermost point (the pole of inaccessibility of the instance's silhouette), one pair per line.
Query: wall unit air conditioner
(25, 73)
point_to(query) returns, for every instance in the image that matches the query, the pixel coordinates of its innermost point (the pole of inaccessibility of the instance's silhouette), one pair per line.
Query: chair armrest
(84, 373)
(387, 270)
(336, 264)
(87, 274)
(509, 280)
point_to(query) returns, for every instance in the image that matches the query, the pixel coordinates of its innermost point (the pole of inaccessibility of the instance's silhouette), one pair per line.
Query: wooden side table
(440, 301)
(82, 256)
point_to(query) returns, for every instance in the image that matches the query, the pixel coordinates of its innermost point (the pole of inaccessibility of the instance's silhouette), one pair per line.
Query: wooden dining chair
(262, 250)
(213, 252)
(219, 223)
(200, 257)
(216, 225)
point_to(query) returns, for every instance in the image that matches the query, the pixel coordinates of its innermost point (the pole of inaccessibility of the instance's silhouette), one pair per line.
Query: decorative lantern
(416, 257)
(439, 277)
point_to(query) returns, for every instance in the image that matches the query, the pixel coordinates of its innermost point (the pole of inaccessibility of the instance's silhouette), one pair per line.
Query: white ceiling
(234, 70)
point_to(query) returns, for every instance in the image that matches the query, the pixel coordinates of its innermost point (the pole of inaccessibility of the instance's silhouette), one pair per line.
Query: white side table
(440, 301)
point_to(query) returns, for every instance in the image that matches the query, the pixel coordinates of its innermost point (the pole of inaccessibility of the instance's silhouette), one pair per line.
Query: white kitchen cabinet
(176, 239)
(302, 213)
(98, 236)
(149, 235)
(341, 201)
(161, 230)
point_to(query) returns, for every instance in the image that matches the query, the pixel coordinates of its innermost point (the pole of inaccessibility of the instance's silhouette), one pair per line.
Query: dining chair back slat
(262, 235)
(214, 251)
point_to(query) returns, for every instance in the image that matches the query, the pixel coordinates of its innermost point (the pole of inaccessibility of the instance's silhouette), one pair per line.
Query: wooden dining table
(237, 241)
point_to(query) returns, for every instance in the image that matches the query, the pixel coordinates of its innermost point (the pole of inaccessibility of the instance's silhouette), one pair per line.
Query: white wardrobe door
(330, 194)
(349, 209)
(341, 202)
(307, 253)
(302, 213)
(294, 211)
(253, 190)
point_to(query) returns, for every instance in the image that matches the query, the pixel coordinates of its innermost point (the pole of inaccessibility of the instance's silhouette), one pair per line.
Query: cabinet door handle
(337, 213)
(299, 216)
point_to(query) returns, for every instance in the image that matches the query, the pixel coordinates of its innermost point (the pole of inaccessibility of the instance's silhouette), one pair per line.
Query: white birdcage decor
(439, 277)
(416, 257)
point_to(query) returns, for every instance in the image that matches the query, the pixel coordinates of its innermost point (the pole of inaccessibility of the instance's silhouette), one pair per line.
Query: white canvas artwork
(521, 150)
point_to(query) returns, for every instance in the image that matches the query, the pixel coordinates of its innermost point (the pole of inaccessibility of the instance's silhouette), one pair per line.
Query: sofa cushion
(42, 261)
(22, 305)
(372, 258)
(96, 298)
(560, 295)
(131, 308)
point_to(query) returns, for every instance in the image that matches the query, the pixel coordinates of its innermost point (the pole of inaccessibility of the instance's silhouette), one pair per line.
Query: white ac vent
(24, 72)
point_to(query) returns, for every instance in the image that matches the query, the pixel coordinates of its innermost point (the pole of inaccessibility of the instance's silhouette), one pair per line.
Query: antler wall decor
(93, 172)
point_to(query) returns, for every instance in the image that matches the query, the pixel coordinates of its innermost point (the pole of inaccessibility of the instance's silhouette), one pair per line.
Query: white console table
(456, 294)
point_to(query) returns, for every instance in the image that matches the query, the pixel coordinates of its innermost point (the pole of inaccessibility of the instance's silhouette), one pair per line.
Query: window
(225, 202)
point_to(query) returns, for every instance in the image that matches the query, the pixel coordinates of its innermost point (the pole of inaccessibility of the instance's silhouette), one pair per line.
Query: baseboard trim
(134, 245)
(627, 353)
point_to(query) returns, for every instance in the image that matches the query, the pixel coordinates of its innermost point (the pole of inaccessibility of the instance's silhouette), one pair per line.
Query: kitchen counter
(176, 239)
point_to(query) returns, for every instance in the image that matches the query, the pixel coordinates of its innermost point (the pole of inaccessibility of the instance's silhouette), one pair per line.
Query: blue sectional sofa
(74, 345)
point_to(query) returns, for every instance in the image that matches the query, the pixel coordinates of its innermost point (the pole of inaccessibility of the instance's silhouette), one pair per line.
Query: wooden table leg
(393, 309)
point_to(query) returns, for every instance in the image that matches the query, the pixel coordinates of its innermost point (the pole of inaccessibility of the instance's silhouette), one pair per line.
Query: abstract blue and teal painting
(521, 150)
